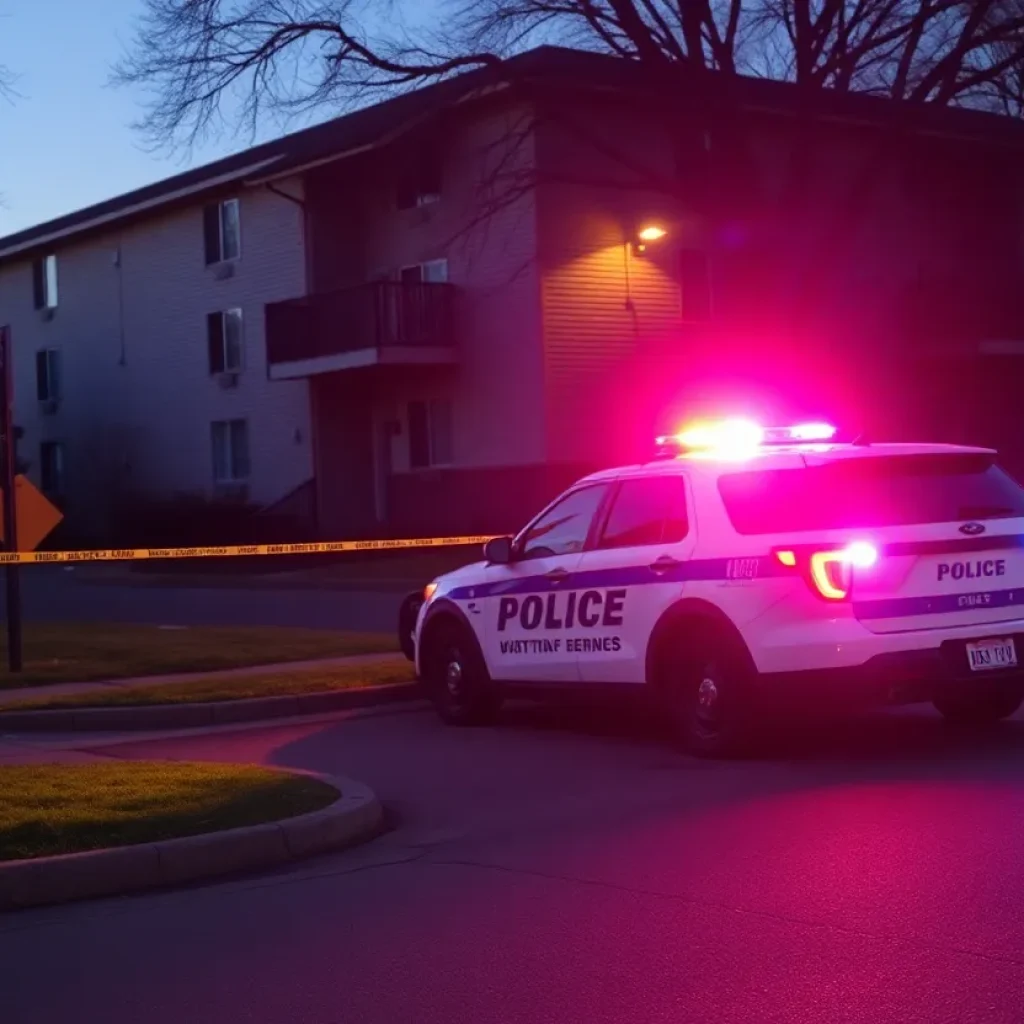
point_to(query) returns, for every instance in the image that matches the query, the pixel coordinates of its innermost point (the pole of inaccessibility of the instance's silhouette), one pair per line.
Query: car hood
(467, 574)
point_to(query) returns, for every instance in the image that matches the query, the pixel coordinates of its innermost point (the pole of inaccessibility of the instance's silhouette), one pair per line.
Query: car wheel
(407, 614)
(708, 698)
(978, 709)
(457, 678)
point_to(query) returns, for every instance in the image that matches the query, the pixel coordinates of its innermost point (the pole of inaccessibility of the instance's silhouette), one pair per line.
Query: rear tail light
(830, 571)
(832, 574)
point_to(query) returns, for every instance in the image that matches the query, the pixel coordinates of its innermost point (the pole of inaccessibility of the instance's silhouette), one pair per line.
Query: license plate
(991, 654)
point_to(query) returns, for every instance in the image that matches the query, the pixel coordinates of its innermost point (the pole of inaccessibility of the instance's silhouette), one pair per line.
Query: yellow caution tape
(234, 550)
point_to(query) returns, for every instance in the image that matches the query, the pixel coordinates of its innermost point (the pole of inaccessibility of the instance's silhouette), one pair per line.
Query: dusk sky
(67, 141)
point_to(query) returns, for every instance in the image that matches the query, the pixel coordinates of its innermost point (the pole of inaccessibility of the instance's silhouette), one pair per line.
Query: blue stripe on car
(997, 542)
(704, 569)
(937, 604)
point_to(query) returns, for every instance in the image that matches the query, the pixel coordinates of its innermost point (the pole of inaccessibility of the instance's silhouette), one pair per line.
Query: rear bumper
(896, 677)
(843, 642)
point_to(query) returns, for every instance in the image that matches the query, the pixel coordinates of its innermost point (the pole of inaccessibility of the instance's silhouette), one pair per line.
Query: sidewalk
(14, 750)
(11, 696)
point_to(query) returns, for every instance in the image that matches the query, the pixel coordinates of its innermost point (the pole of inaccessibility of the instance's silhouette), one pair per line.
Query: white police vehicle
(743, 567)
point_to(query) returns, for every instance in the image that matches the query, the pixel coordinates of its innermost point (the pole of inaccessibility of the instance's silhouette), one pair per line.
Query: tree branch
(946, 70)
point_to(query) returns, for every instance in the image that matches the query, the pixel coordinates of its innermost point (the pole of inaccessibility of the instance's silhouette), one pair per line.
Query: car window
(899, 490)
(646, 510)
(563, 528)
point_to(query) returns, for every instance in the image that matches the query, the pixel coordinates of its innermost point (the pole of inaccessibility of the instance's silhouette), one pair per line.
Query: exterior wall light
(646, 234)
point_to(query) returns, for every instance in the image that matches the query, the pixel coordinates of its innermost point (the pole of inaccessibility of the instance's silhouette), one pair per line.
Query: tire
(456, 676)
(407, 613)
(707, 687)
(978, 709)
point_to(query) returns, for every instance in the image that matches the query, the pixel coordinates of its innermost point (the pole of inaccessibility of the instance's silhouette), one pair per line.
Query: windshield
(870, 492)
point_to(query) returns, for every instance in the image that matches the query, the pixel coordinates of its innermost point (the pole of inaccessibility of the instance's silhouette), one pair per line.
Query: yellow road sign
(37, 515)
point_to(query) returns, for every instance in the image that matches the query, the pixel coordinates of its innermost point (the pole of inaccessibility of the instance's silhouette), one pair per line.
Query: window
(421, 185)
(224, 341)
(230, 451)
(870, 492)
(648, 510)
(435, 271)
(563, 528)
(48, 375)
(430, 434)
(695, 285)
(44, 282)
(430, 272)
(51, 467)
(222, 231)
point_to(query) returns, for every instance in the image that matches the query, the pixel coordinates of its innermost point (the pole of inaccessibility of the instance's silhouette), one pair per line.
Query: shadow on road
(903, 736)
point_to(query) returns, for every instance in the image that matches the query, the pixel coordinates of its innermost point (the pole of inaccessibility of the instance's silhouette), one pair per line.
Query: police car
(741, 568)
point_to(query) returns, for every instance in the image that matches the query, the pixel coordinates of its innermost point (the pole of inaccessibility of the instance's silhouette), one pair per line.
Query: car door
(525, 608)
(635, 569)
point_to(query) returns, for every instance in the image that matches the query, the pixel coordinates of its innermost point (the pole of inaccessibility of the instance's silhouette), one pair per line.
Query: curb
(194, 716)
(354, 817)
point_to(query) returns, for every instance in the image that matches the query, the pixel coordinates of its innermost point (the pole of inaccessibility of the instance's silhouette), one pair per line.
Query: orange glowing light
(725, 437)
(651, 233)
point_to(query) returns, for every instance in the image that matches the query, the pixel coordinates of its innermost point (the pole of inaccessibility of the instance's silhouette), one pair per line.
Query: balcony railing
(382, 315)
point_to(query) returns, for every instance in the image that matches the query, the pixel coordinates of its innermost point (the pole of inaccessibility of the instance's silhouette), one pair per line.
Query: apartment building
(138, 347)
(432, 313)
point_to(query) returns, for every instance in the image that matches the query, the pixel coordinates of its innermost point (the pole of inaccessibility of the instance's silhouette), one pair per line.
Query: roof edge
(39, 237)
(378, 124)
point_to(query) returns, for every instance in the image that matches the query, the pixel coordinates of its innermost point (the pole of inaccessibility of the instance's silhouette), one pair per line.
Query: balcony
(384, 323)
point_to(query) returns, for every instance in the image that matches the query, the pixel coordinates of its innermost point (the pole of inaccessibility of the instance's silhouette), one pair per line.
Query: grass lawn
(270, 684)
(52, 809)
(80, 652)
(416, 567)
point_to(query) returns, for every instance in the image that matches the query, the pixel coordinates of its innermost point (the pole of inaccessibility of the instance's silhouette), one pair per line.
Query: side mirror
(498, 550)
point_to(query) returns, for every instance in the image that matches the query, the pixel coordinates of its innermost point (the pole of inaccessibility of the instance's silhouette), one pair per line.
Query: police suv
(743, 567)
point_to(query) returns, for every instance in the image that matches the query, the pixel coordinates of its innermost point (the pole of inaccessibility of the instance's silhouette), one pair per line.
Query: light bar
(805, 432)
(737, 437)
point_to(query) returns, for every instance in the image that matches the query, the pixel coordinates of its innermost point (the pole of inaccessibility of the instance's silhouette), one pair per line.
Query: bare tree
(211, 63)
(7, 80)
(8, 93)
(290, 55)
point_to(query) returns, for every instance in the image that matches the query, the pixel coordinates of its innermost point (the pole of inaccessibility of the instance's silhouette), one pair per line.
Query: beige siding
(615, 349)
(131, 329)
(603, 303)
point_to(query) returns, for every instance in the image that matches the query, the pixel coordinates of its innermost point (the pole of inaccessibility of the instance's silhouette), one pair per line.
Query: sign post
(8, 470)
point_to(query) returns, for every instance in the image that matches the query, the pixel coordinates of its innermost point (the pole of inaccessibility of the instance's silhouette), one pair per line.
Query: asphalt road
(50, 593)
(572, 867)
